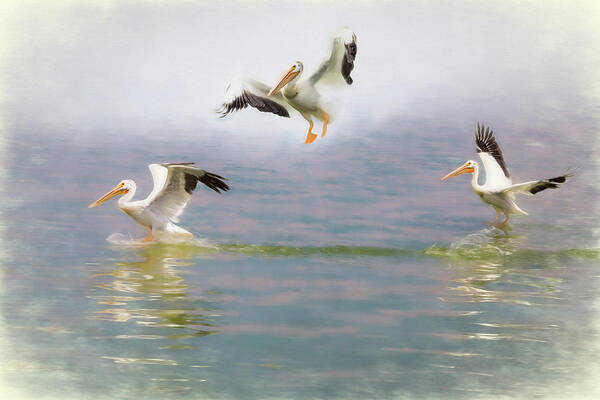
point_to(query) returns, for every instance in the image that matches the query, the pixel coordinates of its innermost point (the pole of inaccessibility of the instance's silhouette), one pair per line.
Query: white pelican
(301, 95)
(173, 187)
(498, 190)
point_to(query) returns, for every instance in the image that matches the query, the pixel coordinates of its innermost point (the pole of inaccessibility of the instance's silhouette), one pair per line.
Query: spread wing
(340, 63)
(496, 171)
(244, 92)
(533, 187)
(174, 184)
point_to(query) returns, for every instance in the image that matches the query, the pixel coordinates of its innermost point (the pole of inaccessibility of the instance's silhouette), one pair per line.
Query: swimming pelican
(498, 190)
(301, 95)
(173, 187)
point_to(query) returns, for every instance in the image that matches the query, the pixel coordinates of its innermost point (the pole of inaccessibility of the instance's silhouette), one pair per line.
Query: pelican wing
(340, 63)
(174, 184)
(496, 171)
(532, 187)
(244, 92)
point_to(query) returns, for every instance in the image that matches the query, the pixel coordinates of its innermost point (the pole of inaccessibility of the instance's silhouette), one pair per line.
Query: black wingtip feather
(558, 179)
(222, 111)
(551, 183)
(348, 61)
(543, 186)
(264, 104)
(246, 99)
(214, 181)
(486, 143)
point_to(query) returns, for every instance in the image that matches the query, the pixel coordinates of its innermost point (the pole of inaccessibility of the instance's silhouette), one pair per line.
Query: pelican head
(468, 167)
(125, 186)
(289, 75)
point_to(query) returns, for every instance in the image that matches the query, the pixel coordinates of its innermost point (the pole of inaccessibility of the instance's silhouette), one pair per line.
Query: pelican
(291, 90)
(173, 187)
(498, 190)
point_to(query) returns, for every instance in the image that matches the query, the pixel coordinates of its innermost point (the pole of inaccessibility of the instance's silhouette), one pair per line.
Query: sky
(84, 67)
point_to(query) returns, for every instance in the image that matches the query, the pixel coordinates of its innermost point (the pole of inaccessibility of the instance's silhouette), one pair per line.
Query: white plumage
(299, 94)
(173, 187)
(498, 190)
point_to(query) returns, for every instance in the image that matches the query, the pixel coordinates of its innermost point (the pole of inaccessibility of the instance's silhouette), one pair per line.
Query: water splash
(488, 236)
(487, 243)
(120, 239)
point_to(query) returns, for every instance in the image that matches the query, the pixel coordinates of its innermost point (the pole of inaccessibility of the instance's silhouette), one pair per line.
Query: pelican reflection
(490, 271)
(150, 290)
(491, 267)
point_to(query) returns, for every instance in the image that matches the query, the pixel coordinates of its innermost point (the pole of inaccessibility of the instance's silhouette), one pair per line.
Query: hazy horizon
(341, 269)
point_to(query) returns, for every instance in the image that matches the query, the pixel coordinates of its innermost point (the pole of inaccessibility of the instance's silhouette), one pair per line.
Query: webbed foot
(310, 137)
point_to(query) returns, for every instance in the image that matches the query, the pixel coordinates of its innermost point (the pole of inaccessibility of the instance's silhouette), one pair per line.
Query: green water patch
(199, 247)
(490, 251)
(490, 244)
(290, 251)
(592, 254)
(495, 253)
(484, 245)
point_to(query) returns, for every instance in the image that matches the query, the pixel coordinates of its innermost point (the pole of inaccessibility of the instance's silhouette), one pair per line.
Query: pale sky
(111, 65)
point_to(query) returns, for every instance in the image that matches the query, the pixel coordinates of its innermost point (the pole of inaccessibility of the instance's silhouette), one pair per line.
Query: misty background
(92, 92)
(99, 68)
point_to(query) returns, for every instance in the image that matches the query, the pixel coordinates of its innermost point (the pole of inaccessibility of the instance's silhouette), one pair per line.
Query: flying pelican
(173, 187)
(498, 190)
(301, 95)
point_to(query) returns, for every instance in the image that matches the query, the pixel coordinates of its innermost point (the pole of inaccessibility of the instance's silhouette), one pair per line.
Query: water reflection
(506, 273)
(151, 292)
(495, 268)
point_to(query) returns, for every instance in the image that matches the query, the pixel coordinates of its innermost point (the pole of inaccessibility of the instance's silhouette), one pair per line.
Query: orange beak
(463, 169)
(117, 190)
(284, 80)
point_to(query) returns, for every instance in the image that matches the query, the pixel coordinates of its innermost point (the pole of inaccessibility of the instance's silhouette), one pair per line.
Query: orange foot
(325, 122)
(310, 137)
(148, 238)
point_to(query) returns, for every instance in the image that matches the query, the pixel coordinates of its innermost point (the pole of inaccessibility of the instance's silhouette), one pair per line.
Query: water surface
(340, 270)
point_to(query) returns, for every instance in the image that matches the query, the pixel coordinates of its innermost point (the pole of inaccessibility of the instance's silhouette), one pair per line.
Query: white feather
(171, 199)
(494, 175)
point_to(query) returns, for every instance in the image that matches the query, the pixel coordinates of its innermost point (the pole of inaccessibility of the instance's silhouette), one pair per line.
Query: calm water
(340, 270)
